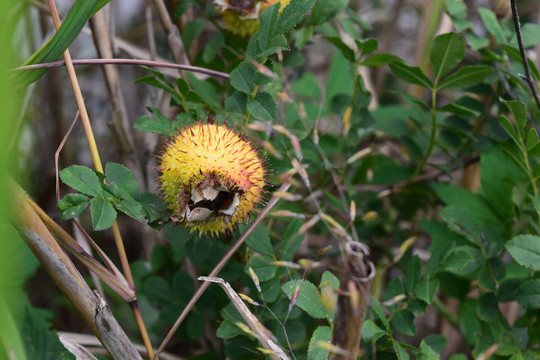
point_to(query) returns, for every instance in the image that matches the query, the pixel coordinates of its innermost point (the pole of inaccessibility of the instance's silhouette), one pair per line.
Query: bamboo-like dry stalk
(352, 303)
(93, 309)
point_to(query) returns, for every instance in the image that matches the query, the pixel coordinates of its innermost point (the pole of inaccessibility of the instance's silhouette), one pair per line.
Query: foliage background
(471, 217)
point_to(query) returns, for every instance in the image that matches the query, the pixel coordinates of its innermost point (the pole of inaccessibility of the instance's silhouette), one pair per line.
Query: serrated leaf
(380, 59)
(400, 351)
(291, 240)
(519, 110)
(347, 52)
(263, 107)
(259, 240)
(82, 179)
(532, 139)
(492, 24)
(268, 25)
(123, 178)
(131, 208)
(528, 294)
(426, 289)
(371, 332)
(403, 321)
(509, 128)
(72, 205)
(367, 46)
(446, 53)
(411, 74)
(458, 258)
(103, 213)
(308, 297)
(293, 13)
(278, 43)
(466, 76)
(378, 309)
(525, 249)
(242, 78)
(160, 125)
(262, 265)
(236, 103)
(322, 333)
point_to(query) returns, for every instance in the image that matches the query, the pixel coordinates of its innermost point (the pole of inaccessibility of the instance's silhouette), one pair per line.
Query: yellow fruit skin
(238, 24)
(205, 151)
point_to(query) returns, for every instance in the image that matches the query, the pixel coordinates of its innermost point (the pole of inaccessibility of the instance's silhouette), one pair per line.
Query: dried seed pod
(241, 17)
(212, 178)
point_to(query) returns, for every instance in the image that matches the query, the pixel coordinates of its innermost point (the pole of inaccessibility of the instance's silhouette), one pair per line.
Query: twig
(173, 35)
(519, 35)
(273, 201)
(125, 62)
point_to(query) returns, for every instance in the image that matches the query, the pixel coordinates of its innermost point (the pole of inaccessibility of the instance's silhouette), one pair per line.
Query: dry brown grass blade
(111, 277)
(358, 274)
(90, 305)
(263, 334)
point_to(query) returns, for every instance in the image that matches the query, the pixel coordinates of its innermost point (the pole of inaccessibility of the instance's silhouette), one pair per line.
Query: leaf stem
(433, 133)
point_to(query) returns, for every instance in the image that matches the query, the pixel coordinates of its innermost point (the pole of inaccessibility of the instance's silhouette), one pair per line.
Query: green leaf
(259, 241)
(291, 240)
(293, 13)
(413, 269)
(131, 208)
(278, 43)
(532, 139)
(205, 90)
(492, 24)
(466, 76)
(400, 351)
(403, 321)
(380, 59)
(426, 289)
(367, 46)
(324, 10)
(519, 110)
(72, 25)
(192, 30)
(236, 103)
(371, 332)
(378, 309)
(262, 267)
(125, 181)
(242, 78)
(72, 205)
(160, 125)
(82, 179)
(308, 297)
(458, 258)
(268, 25)
(103, 213)
(525, 249)
(40, 341)
(347, 52)
(322, 333)
(411, 74)
(263, 107)
(509, 128)
(446, 53)
(528, 294)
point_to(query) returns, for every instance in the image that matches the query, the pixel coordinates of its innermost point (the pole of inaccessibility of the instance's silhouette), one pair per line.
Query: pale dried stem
(173, 34)
(273, 201)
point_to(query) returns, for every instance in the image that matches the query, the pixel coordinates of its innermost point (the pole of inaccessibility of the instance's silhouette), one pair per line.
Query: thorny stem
(273, 201)
(99, 167)
(528, 77)
(162, 64)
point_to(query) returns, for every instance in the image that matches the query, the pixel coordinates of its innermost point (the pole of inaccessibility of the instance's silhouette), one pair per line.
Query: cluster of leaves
(483, 248)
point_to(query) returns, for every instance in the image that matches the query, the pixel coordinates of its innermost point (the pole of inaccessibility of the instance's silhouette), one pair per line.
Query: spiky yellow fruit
(212, 177)
(241, 17)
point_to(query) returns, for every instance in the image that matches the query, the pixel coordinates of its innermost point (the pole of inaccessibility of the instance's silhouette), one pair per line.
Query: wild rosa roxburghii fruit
(212, 177)
(241, 17)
